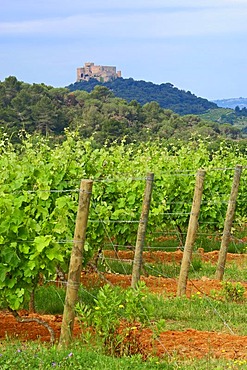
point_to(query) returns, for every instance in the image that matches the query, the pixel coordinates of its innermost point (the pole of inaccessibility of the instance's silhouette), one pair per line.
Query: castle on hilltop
(100, 73)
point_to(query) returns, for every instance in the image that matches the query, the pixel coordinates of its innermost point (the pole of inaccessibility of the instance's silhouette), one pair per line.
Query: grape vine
(39, 192)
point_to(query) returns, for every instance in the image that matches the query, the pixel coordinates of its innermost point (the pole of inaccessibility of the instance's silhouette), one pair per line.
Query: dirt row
(176, 257)
(188, 343)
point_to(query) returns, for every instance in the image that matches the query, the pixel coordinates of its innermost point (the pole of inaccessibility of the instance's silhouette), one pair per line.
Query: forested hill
(165, 94)
(98, 115)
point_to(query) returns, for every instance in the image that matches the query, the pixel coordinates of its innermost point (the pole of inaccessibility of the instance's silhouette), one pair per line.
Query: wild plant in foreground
(115, 318)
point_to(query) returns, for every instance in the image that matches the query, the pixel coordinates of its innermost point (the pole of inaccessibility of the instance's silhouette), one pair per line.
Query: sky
(197, 45)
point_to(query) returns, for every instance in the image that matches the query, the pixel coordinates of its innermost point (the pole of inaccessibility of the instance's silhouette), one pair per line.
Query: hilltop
(170, 97)
(231, 103)
(100, 115)
(165, 94)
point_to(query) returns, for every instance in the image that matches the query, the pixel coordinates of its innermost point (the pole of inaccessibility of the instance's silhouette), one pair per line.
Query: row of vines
(39, 195)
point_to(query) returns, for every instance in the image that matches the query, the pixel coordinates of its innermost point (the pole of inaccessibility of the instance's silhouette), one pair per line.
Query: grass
(209, 244)
(49, 299)
(163, 269)
(117, 266)
(183, 313)
(15, 355)
(198, 269)
(177, 314)
(38, 356)
(207, 239)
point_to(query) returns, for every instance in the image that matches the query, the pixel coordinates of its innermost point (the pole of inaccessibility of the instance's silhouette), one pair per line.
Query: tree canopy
(42, 109)
(165, 94)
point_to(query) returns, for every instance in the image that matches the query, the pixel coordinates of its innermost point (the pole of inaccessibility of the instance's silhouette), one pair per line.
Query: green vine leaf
(42, 242)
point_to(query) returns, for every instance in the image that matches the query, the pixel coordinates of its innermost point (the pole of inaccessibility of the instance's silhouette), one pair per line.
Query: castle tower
(100, 73)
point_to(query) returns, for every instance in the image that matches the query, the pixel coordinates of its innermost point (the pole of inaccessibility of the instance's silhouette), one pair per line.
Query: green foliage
(114, 316)
(166, 314)
(230, 292)
(230, 120)
(48, 111)
(79, 357)
(31, 218)
(39, 196)
(196, 264)
(34, 108)
(49, 299)
(233, 291)
(166, 95)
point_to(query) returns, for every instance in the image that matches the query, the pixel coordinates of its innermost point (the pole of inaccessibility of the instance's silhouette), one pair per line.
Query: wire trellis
(150, 247)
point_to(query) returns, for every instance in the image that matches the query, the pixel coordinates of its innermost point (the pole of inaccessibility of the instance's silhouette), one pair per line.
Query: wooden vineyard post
(191, 233)
(75, 263)
(228, 224)
(141, 233)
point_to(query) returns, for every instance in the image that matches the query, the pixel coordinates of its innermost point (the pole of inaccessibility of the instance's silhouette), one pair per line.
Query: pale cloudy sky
(197, 45)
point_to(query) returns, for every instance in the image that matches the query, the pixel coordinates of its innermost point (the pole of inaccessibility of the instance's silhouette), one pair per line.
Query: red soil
(189, 343)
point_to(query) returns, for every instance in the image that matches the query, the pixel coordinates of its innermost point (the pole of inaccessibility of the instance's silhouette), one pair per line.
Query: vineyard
(39, 187)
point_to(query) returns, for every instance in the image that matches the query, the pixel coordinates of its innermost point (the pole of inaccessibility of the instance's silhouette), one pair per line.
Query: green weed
(233, 291)
(114, 317)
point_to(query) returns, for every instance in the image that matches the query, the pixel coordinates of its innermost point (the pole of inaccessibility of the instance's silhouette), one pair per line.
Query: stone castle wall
(100, 73)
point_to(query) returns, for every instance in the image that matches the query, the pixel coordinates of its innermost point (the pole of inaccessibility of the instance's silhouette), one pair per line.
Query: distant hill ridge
(231, 103)
(165, 94)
